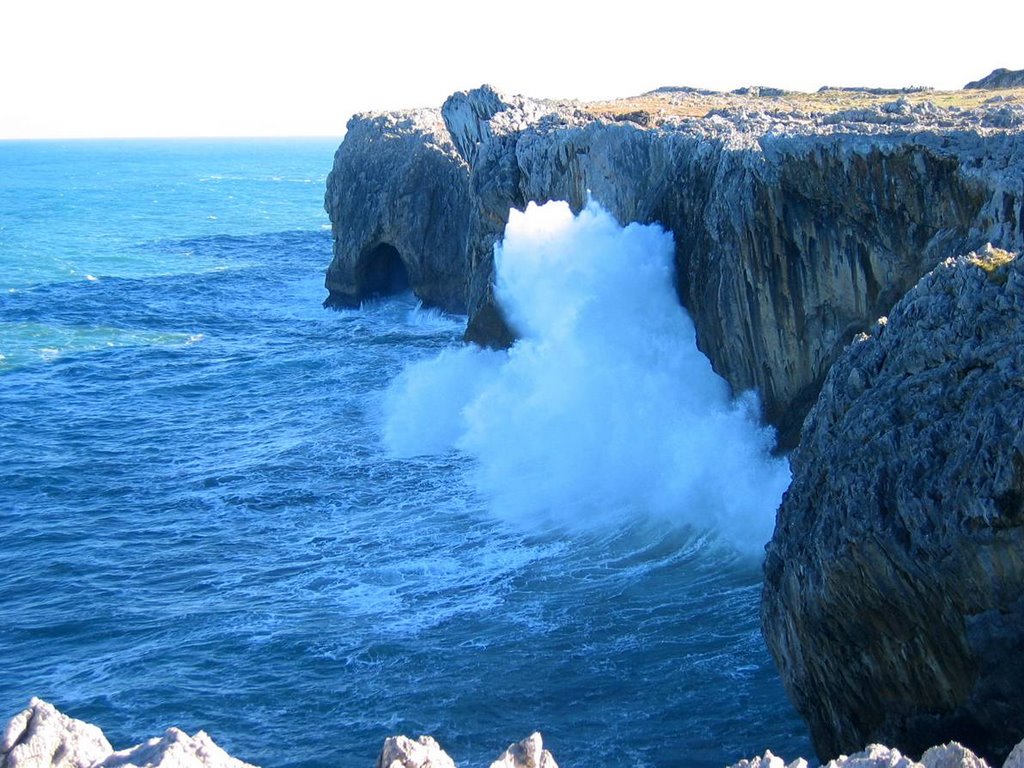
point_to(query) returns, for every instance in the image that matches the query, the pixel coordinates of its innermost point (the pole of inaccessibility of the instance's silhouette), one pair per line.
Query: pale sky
(91, 68)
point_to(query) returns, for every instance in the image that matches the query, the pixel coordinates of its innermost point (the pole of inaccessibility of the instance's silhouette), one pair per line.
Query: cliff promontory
(894, 583)
(798, 218)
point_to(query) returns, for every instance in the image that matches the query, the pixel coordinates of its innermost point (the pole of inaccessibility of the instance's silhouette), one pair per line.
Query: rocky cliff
(999, 78)
(798, 218)
(894, 583)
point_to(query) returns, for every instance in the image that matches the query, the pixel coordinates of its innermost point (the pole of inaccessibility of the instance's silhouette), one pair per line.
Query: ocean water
(203, 525)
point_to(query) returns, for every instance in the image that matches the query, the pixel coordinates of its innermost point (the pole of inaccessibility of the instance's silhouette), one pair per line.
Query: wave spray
(604, 412)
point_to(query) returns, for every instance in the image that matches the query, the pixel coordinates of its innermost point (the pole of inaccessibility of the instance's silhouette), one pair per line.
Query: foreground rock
(950, 755)
(42, 737)
(798, 218)
(425, 752)
(894, 583)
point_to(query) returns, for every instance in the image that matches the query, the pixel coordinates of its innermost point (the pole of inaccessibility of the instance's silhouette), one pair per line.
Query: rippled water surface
(200, 526)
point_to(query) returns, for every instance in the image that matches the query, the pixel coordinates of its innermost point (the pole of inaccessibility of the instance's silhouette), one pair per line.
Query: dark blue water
(200, 527)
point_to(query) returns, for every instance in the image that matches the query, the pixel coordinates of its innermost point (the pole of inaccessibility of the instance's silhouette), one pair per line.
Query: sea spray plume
(604, 412)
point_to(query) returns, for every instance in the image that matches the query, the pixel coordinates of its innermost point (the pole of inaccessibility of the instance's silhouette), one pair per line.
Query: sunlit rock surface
(798, 218)
(894, 583)
(952, 755)
(528, 753)
(42, 737)
(399, 202)
(403, 752)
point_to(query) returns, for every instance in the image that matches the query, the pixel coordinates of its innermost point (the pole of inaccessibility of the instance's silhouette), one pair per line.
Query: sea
(207, 520)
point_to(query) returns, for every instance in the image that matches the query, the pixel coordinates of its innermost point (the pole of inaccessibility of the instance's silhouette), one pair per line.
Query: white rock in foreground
(42, 737)
(175, 749)
(951, 755)
(768, 760)
(403, 752)
(528, 753)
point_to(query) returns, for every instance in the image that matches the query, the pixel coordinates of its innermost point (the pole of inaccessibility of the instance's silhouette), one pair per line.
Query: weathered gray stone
(875, 756)
(1000, 78)
(175, 749)
(403, 752)
(768, 760)
(42, 737)
(951, 755)
(894, 582)
(793, 230)
(528, 753)
(398, 198)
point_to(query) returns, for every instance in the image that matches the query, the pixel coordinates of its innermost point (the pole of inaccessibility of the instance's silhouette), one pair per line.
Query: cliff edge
(798, 218)
(894, 583)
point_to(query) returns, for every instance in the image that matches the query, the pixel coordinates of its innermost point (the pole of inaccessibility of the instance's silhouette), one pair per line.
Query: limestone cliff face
(398, 198)
(794, 230)
(894, 582)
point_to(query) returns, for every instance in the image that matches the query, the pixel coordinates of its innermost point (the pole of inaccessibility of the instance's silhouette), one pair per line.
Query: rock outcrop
(398, 198)
(798, 219)
(425, 752)
(952, 755)
(894, 583)
(999, 78)
(403, 752)
(528, 753)
(42, 737)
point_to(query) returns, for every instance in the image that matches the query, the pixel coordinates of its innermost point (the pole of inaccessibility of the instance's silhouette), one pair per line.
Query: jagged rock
(528, 753)
(175, 749)
(794, 229)
(403, 752)
(893, 600)
(952, 755)
(875, 756)
(1000, 78)
(41, 737)
(768, 760)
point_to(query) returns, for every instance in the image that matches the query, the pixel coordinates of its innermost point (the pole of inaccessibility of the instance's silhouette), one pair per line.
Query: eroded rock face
(528, 753)
(398, 198)
(403, 752)
(793, 230)
(42, 737)
(894, 583)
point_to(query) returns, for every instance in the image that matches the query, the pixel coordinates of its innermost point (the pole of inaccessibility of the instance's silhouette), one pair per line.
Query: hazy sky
(209, 68)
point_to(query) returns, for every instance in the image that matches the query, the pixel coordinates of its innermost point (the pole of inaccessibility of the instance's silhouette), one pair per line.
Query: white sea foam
(604, 410)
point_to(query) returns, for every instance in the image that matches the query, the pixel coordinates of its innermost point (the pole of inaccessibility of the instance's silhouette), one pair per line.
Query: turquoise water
(201, 527)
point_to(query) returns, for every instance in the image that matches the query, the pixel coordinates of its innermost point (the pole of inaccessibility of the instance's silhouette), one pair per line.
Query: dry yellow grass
(683, 104)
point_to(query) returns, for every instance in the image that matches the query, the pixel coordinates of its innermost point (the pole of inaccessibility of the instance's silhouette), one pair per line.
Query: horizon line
(189, 137)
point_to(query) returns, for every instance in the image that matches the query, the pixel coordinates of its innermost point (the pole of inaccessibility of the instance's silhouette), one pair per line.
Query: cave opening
(383, 273)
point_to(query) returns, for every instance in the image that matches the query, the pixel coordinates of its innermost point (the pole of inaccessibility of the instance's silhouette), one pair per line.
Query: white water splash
(604, 412)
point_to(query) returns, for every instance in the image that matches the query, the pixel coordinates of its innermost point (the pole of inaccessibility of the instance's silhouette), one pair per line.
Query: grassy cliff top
(687, 102)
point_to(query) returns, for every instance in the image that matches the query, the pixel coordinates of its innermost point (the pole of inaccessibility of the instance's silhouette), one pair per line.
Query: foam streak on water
(201, 526)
